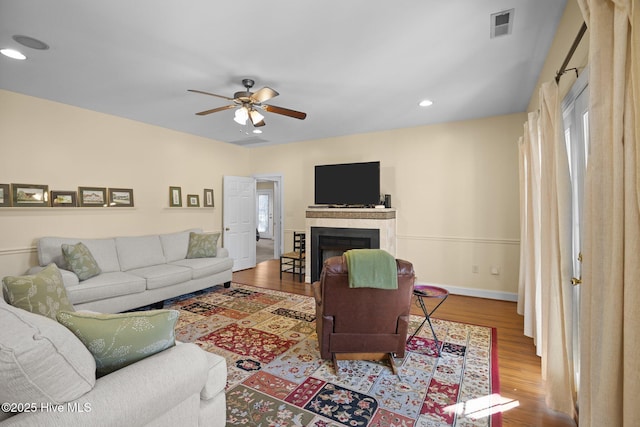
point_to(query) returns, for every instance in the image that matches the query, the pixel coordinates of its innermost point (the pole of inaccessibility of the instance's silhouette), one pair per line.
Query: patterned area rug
(276, 376)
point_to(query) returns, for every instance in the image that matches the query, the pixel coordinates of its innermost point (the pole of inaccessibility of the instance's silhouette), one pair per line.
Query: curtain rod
(574, 46)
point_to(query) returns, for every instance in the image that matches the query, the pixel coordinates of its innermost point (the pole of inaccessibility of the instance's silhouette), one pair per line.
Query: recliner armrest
(317, 292)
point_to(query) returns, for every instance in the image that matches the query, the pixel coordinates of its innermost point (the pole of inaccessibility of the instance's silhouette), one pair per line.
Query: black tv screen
(348, 184)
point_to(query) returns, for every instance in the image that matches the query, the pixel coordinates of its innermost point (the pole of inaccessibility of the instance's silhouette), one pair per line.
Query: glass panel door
(265, 213)
(576, 131)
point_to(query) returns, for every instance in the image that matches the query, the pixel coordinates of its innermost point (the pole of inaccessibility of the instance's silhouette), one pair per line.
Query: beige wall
(455, 187)
(43, 142)
(565, 35)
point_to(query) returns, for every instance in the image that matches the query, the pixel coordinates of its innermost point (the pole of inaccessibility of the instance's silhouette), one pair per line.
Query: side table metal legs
(422, 292)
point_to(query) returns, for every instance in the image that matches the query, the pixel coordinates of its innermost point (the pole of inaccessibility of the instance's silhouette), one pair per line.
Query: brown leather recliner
(361, 323)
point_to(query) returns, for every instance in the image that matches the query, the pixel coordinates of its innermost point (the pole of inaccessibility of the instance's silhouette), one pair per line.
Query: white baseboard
(478, 293)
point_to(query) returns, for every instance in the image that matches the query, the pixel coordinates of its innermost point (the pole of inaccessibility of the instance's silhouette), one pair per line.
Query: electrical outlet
(475, 269)
(495, 270)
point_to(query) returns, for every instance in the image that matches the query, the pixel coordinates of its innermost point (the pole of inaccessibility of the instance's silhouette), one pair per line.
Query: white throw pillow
(41, 361)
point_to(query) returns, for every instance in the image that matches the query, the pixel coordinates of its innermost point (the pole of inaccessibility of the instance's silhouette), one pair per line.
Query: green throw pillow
(41, 293)
(202, 245)
(80, 260)
(118, 340)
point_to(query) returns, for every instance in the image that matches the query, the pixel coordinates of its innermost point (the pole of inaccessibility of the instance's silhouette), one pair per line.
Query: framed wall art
(175, 197)
(193, 200)
(120, 197)
(5, 195)
(64, 199)
(207, 200)
(30, 195)
(92, 196)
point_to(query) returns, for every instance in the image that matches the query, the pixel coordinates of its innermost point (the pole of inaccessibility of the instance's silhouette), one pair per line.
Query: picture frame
(5, 196)
(29, 195)
(207, 199)
(63, 199)
(175, 197)
(121, 197)
(193, 200)
(92, 196)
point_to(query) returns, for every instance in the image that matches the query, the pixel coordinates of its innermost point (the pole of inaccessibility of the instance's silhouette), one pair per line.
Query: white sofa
(48, 376)
(136, 270)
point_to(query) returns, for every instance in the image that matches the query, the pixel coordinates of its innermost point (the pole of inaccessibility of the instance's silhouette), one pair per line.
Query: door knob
(575, 281)
(227, 229)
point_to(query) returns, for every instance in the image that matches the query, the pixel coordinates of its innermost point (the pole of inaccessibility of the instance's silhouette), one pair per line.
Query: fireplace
(330, 241)
(342, 229)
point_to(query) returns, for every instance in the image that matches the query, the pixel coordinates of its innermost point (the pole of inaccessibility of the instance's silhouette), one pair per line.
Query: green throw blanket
(371, 268)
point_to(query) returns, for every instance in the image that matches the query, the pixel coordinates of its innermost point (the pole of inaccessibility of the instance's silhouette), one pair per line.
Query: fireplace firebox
(331, 241)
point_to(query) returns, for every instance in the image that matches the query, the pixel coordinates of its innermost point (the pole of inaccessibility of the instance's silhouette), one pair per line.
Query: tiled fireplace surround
(331, 231)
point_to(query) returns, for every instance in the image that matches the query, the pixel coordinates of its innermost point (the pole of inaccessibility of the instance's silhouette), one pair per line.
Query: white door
(238, 220)
(265, 213)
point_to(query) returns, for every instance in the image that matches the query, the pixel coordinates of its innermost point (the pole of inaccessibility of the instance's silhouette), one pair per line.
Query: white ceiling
(354, 66)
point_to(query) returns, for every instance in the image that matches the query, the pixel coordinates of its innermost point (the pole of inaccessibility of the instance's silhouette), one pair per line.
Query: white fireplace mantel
(383, 220)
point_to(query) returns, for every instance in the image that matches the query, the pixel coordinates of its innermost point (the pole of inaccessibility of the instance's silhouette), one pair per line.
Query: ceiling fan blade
(211, 94)
(264, 94)
(215, 110)
(284, 111)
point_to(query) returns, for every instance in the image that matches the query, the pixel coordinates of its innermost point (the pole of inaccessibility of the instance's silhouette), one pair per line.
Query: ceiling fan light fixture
(255, 117)
(241, 116)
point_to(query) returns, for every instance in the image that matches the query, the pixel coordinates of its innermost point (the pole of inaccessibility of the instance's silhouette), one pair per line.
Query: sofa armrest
(222, 252)
(135, 395)
(69, 278)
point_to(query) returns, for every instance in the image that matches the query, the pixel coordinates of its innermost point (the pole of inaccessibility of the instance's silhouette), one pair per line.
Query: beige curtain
(610, 305)
(529, 292)
(556, 269)
(545, 294)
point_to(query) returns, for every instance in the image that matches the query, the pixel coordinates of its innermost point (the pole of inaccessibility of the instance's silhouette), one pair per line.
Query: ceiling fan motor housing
(244, 97)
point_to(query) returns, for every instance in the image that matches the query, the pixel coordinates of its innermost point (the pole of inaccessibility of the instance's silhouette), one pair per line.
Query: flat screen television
(351, 184)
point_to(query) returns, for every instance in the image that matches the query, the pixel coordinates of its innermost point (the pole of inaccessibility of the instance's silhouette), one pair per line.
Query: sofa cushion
(103, 251)
(202, 267)
(159, 276)
(41, 293)
(118, 340)
(174, 245)
(139, 251)
(202, 245)
(40, 360)
(80, 260)
(106, 285)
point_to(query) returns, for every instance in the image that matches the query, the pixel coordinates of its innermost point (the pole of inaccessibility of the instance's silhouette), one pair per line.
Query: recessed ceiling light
(30, 42)
(257, 131)
(12, 53)
(425, 103)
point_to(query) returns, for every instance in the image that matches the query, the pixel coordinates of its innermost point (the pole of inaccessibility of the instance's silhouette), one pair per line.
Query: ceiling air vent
(501, 23)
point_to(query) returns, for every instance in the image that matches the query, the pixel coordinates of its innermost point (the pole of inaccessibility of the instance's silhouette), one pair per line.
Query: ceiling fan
(248, 103)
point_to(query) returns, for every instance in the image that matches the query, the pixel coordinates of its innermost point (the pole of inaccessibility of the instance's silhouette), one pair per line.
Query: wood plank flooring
(519, 366)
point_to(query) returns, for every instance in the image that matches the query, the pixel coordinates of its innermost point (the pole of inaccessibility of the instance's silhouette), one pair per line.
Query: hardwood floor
(519, 366)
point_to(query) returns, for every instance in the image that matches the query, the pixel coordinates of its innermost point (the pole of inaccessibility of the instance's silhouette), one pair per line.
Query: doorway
(268, 217)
